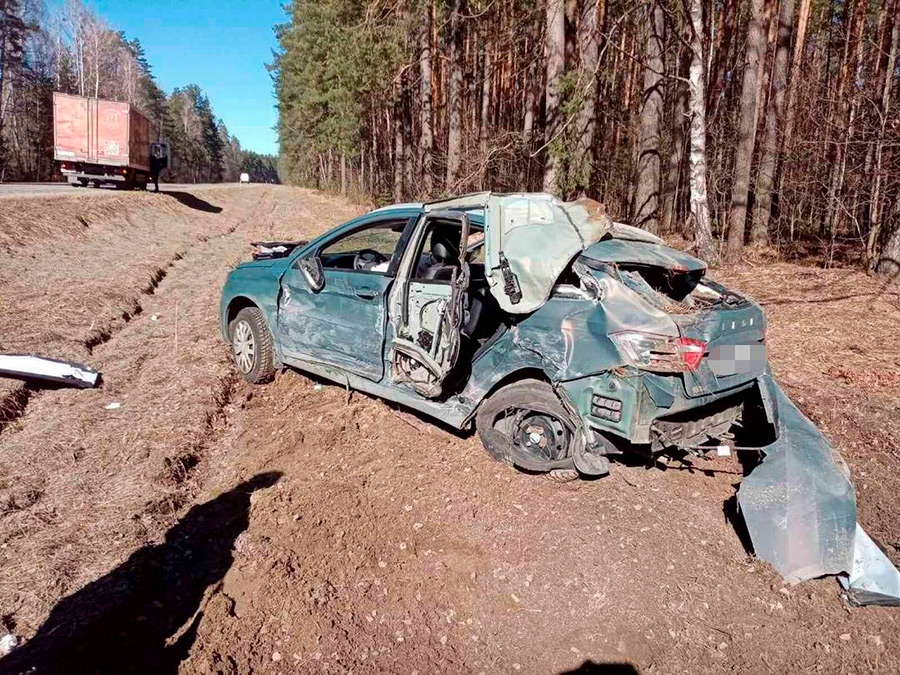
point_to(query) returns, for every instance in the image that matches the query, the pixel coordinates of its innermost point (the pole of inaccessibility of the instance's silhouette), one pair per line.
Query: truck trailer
(99, 142)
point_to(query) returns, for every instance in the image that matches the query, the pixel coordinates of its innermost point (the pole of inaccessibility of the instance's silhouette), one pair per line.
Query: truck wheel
(525, 424)
(251, 346)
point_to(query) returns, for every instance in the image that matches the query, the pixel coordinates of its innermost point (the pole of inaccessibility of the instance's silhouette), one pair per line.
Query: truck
(98, 142)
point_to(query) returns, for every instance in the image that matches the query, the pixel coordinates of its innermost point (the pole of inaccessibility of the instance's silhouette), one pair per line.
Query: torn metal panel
(641, 253)
(873, 579)
(27, 367)
(799, 503)
(529, 241)
(632, 233)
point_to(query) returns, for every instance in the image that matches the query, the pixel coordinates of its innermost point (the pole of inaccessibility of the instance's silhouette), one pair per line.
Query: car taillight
(660, 353)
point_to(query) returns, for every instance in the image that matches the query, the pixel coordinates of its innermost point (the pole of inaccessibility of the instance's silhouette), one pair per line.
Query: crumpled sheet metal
(873, 580)
(799, 506)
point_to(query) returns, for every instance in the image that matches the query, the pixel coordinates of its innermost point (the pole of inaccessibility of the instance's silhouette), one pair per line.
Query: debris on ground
(8, 643)
(27, 367)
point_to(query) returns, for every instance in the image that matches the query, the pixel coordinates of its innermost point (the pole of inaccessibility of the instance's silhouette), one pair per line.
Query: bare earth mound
(206, 526)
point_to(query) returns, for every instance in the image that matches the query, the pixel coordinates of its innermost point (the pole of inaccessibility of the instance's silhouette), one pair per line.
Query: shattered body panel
(641, 351)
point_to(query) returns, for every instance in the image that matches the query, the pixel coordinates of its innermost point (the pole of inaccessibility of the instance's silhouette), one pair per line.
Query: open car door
(426, 340)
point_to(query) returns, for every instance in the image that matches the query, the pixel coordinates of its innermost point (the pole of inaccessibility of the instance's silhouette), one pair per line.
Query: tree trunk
(556, 64)
(796, 70)
(765, 180)
(454, 98)
(484, 122)
(703, 239)
(343, 173)
(3, 78)
(409, 154)
(426, 138)
(845, 116)
(531, 83)
(589, 48)
(749, 109)
(399, 156)
(723, 46)
(889, 260)
(646, 197)
(679, 116)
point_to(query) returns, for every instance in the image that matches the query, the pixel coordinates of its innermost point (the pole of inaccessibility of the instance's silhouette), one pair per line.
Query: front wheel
(251, 346)
(525, 424)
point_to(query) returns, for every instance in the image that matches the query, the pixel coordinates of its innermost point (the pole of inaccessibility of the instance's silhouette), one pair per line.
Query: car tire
(533, 400)
(251, 346)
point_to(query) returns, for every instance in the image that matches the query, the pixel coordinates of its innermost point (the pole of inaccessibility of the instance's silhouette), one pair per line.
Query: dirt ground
(207, 526)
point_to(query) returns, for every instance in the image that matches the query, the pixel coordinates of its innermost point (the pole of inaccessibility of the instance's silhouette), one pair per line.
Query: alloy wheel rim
(244, 346)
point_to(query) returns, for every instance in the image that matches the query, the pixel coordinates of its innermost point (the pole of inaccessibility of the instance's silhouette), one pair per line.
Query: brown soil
(209, 526)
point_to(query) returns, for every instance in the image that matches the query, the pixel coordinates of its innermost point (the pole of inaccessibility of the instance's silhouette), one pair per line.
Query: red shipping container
(94, 131)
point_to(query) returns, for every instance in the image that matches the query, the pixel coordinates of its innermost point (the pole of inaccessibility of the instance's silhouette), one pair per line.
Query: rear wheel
(526, 425)
(251, 346)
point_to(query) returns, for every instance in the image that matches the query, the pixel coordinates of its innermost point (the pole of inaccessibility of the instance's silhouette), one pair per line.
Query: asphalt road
(30, 189)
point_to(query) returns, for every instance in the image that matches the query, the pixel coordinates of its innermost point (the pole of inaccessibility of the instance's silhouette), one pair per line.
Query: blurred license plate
(726, 360)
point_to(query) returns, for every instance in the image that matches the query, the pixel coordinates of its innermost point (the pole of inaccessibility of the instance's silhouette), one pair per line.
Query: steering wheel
(367, 258)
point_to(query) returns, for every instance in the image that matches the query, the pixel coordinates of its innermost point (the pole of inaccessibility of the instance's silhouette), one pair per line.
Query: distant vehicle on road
(245, 177)
(99, 142)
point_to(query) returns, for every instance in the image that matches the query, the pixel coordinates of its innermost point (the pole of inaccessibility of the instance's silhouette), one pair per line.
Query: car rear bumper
(648, 409)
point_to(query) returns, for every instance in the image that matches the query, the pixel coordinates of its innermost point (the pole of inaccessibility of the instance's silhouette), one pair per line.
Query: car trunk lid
(731, 326)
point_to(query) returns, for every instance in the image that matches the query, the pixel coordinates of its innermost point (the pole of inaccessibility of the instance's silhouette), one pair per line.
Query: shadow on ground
(192, 201)
(143, 616)
(593, 668)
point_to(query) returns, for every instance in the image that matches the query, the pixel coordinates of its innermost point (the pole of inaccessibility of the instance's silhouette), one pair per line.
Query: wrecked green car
(564, 337)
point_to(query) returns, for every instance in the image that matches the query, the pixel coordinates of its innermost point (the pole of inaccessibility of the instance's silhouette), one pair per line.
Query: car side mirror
(313, 272)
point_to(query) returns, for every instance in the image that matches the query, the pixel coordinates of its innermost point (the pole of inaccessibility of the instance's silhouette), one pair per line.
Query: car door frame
(404, 347)
(293, 284)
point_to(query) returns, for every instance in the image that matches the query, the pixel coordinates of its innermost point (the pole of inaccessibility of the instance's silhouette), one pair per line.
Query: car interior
(438, 259)
(367, 250)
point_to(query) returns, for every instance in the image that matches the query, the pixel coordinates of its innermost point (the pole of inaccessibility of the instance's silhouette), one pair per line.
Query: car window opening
(367, 250)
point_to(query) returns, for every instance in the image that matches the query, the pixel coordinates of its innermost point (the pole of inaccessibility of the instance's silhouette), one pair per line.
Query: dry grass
(81, 486)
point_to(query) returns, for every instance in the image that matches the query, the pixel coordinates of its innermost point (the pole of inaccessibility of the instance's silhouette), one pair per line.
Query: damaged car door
(427, 309)
(331, 306)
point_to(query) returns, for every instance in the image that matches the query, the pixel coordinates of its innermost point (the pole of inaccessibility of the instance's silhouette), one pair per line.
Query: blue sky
(221, 45)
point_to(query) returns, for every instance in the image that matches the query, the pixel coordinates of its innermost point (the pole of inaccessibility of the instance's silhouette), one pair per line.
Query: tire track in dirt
(78, 230)
(69, 432)
(101, 483)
